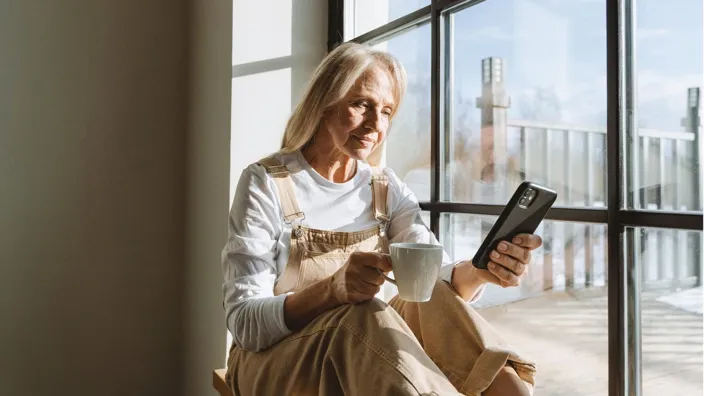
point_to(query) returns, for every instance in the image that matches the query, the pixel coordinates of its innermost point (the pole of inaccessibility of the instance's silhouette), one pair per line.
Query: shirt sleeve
(407, 225)
(254, 316)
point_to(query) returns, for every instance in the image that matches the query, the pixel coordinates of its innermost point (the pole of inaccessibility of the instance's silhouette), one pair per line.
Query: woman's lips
(364, 141)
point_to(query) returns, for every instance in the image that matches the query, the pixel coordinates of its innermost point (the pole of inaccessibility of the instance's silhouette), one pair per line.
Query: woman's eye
(361, 104)
(386, 112)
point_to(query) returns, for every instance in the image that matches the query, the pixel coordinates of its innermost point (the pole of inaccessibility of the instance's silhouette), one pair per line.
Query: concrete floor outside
(565, 332)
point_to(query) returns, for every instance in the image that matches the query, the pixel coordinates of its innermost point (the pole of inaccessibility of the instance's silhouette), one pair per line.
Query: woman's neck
(328, 161)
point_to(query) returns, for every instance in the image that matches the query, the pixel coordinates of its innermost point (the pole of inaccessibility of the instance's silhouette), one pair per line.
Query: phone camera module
(527, 198)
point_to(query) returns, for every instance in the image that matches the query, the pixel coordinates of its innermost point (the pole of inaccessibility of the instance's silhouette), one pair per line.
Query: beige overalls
(440, 347)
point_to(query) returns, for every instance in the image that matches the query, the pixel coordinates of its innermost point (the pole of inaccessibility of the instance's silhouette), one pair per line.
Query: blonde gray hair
(331, 82)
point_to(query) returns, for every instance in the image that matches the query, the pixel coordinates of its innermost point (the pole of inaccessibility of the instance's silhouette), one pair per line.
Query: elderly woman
(307, 232)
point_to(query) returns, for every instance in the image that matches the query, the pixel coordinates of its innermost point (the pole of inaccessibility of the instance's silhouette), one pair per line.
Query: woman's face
(359, 123)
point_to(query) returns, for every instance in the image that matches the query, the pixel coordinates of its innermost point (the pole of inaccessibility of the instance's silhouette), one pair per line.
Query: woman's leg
(507, 383)
(466, 348)
(364, 349)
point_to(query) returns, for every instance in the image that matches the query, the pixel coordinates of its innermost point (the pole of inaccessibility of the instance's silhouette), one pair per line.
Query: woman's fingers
(506, 277)
(529, 241)
(508, 262)
(510, 259)
(509, 249)
(371, 276)
(371, 259)
(366, 289)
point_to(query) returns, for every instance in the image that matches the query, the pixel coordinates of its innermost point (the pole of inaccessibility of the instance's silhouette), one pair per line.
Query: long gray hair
(331, 82)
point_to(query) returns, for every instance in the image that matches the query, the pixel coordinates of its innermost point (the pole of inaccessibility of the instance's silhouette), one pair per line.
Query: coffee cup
(415, 267)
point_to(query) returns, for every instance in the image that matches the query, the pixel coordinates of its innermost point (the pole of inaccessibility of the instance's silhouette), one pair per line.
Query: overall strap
(287, 196)
(380, 188)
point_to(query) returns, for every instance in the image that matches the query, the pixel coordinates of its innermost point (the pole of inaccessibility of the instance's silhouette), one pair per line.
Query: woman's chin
(359, 153)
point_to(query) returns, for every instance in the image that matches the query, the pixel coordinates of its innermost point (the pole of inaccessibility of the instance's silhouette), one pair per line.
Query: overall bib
(439, 347)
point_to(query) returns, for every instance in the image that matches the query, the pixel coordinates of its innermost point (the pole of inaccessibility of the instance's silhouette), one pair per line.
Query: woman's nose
(374, 120)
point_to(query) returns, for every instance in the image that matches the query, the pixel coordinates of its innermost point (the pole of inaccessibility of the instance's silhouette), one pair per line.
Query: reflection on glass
(408, 141)
(671, 311)
(366, 15)
(664, 165)
(527, 101)
(558, 316)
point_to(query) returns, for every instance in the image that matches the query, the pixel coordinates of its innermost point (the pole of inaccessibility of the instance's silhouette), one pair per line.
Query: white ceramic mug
(415, 267)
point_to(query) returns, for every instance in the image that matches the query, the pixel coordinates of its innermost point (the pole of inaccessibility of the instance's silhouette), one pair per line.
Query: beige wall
(207, 197)
(92, 144)
(115, 168)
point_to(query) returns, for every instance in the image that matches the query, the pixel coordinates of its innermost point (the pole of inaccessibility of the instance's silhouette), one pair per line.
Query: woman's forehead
(375, 81)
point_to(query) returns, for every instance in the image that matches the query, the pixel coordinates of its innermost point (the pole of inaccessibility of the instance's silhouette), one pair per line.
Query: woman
(307, 229)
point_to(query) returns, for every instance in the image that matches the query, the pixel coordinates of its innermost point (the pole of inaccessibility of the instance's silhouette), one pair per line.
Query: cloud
(662, 98)
(646, 33)
(489, 32)
(641, 33)
(656, 86)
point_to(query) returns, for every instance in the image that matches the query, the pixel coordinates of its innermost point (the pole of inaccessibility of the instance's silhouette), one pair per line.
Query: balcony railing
(571, 159)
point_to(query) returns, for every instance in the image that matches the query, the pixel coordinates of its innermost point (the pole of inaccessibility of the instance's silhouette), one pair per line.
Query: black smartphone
(522, 215)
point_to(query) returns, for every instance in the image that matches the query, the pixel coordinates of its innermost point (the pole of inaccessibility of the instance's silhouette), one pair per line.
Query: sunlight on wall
(261, 33)
(261, 104)
(369, 15)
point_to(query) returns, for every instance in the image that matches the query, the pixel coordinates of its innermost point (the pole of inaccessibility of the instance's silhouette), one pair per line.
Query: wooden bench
(219, 382)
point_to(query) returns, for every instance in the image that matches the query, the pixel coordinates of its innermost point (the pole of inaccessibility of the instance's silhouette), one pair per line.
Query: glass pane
(559, 313)
(527, 101)
(664, 164)
(408, 142)
(671, 310)
(361, 16)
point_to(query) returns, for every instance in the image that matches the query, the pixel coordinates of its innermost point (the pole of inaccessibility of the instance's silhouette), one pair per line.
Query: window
(363, 16)
(408, 144)
(520, 112)
(599, 100)
(560, 308)
(670, 309)
(664, 167)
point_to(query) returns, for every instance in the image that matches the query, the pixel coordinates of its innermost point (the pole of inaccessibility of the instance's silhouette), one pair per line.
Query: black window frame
(623, 269)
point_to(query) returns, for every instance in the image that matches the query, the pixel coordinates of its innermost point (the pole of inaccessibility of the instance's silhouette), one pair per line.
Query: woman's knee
(507, 383)
(376, 319)
(365, 310)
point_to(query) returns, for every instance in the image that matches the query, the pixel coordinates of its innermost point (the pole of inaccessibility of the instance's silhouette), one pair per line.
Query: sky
(554, 54)
(555, 50)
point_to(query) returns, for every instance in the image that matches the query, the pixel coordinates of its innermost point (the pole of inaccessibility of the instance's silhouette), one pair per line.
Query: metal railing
(571, 160)
(663, 175)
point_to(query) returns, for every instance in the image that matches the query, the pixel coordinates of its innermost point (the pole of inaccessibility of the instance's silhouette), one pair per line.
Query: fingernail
(492, 265)
(495, 255)
(517, 240)
(503, 247)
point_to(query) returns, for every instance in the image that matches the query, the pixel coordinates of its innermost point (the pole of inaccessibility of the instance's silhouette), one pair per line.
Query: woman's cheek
(354, 120)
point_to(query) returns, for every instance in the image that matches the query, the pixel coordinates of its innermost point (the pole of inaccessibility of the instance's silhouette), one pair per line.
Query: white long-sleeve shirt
(258, 242)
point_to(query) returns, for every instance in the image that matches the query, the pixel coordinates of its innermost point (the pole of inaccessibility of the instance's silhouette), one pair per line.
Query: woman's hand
(358, 280)
(510, 260)
(354, 282)
(507, 266)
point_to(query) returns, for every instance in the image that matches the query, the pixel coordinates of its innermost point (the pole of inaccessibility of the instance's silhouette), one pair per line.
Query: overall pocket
(319, 265)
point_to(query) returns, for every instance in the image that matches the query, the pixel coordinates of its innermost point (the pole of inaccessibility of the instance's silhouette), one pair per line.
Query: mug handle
(383, 274)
